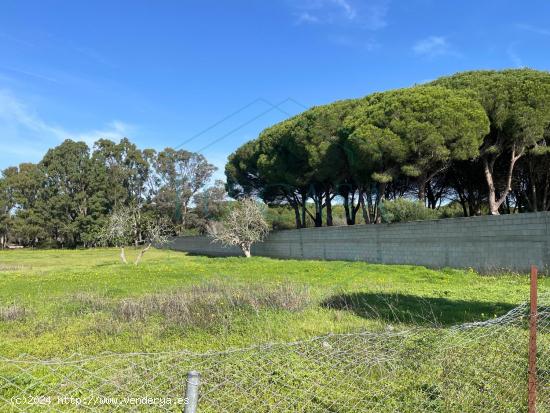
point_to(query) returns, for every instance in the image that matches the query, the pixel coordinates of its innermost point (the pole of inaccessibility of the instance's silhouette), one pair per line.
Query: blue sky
(213, 74)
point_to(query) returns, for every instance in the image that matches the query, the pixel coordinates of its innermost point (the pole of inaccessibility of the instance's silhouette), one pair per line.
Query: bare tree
(157, 233)
(244, 225)
(119, 230)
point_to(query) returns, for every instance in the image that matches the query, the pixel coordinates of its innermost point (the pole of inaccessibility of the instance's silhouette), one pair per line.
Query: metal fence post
(532, 408)
(192, 392)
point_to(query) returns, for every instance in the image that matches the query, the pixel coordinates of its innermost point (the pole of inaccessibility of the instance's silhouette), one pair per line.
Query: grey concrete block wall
(487, 243)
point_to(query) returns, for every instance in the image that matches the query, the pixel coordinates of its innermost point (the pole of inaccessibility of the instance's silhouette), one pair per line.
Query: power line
(273, 107)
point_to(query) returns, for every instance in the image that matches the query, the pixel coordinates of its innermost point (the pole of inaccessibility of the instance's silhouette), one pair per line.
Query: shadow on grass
(411, 309)
(212, 255)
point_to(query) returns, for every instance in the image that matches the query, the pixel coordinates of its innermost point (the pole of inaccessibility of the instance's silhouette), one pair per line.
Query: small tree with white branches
(245, 225)
(157, 233)
(120, 231)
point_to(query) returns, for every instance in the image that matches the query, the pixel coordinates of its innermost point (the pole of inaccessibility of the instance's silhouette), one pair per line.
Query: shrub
(404, 210)
(13, 312)
(451, 210)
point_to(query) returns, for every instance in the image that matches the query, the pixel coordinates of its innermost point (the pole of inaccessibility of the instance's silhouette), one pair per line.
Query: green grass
(71, 301)
(54, 304)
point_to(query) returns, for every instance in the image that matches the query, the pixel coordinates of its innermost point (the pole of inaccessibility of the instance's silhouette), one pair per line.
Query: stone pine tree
(517, 103)
(434, 126)
(245, 225)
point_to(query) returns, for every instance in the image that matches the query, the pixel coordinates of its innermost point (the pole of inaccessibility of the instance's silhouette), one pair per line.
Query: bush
(451, 210)
(404, 210)
(280, 217)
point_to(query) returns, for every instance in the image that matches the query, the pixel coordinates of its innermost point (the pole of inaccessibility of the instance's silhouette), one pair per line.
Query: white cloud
(306, 17)
(375, 15)
(534, 29)
(433, 46)
(14, 113)
(369, 45)
(349, 10)
(114, 130)
(514, 56)
(369, 15)
(23, 131)
(372, 45)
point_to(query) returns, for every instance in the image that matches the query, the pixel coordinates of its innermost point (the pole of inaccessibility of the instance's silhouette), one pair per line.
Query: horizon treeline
(475, 141)
(479, 139)
(65, 199)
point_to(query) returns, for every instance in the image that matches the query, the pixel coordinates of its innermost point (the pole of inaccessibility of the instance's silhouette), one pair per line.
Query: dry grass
(13, 267)
(13, 312)
(210, 303)
(84, 303)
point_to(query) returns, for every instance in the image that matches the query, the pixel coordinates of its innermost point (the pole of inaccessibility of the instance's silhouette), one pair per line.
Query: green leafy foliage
(461, 138)
(65, 200)
(403, 210)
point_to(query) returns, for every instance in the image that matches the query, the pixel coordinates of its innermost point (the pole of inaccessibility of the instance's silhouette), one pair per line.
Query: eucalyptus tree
(6, 206)
(73, 193)
(517, 103)
(127, 170)
(210, 205)
(182, 174)
(25, 182)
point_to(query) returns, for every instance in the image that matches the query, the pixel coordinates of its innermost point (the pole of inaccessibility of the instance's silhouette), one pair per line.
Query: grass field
(79, 324)
(56, 303)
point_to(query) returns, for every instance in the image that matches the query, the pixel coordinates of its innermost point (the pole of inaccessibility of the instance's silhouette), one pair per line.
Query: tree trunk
(365, 209)
(545, 204)
(532, 188)
(305, 212)
(350, 207)
(328, 204)
(318, 201)
(491, 196)
(488, 167)
(123, 256)
(381, 196)
(141, 254)
(346, 209)
(422, 190)
(184, 213)
(432, 198)
(297, 216)
(246, 250)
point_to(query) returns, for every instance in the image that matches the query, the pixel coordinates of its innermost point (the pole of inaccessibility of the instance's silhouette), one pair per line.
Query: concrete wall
(487, 243)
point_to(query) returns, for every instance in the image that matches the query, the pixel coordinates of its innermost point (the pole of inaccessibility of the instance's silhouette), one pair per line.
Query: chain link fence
(474, 367)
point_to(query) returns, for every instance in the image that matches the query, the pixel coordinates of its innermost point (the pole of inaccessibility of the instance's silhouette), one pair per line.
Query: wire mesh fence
(474, 367)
